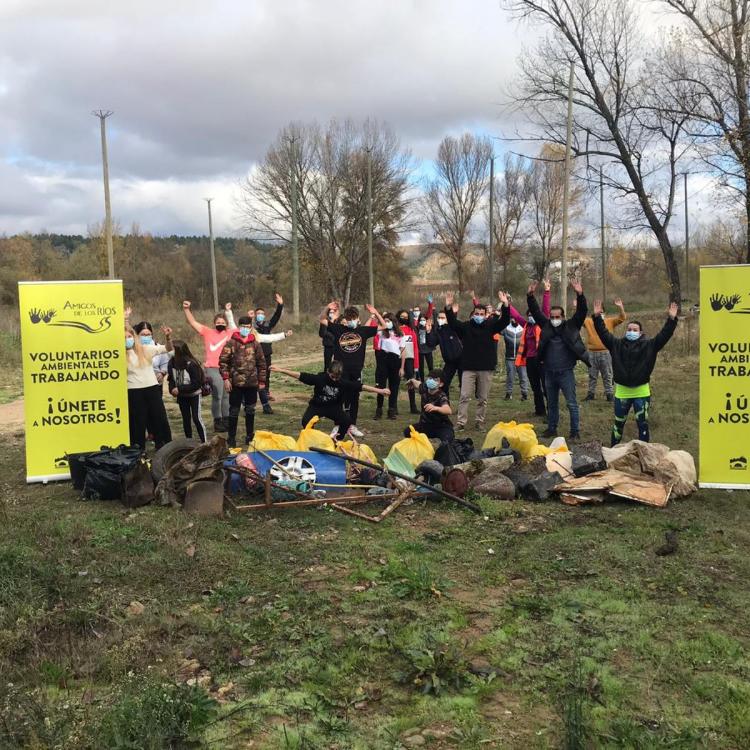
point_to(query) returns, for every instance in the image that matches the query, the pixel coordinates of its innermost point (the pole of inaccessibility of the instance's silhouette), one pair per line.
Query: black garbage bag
(104, 471)
(455, 452)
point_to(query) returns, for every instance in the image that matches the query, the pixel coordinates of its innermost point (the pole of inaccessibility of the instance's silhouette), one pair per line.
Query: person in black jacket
(633, 360)
(560, 348)
(478, 356)
(185, 377)
(439, 333)
(262, 325)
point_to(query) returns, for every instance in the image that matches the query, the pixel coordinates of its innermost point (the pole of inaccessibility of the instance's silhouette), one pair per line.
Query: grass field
(531, 626)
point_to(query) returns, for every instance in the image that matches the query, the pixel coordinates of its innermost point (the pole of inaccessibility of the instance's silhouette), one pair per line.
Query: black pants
(263, 393)
(409, 375)
(327, 356)
(442, 432)
(425, 359)
(238, 396)
(190, 408)
(146, 407)
(386, 374)
(536, 379)
(451, 368)
(335, 413)
(351, 398)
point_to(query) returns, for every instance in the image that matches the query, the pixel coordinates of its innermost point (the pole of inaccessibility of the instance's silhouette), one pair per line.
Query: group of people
(541, 350)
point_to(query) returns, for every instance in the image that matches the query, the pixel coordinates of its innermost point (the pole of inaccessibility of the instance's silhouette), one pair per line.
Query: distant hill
(430, 268)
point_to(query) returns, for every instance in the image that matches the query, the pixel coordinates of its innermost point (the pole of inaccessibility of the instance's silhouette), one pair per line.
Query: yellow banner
(74, 371)
(725, 377)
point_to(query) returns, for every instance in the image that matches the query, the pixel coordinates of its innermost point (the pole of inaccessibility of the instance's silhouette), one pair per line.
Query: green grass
(309, 629)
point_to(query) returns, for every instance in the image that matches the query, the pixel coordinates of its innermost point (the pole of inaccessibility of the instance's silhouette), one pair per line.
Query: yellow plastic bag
(414, 449)
(357, 450)
(521, 437)
(272, 441)
(309, 438)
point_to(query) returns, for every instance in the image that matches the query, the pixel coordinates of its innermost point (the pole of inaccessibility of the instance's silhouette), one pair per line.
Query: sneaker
(354, 431)
(574, 435)
(590, 397)
(267, 409)
(610, 397)
(378, 413)
(524, 397)
(549, 433)
(507, 396)
(392, 414)
(335, 432)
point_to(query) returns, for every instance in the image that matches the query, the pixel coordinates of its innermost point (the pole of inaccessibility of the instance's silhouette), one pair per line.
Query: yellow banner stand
(724, 433)
(74, 371)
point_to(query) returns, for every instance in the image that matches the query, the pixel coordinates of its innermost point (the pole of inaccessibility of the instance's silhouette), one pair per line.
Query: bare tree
(329, 167)
(615, 120)
(452, 199)
(511, 197)
(709, 61)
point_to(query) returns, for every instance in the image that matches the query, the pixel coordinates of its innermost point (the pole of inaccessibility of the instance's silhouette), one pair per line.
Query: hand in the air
(279, 299)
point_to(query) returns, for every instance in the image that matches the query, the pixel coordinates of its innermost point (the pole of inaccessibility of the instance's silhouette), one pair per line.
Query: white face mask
(556, 322)
(442, 321)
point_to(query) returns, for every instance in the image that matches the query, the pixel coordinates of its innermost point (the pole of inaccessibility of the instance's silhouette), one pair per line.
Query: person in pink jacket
(527, 350)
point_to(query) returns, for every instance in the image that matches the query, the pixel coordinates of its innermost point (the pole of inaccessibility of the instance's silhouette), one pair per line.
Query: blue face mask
(431, 384)
(147, 340)
(531, 319)
(260, 317)
(129, 343)
(352, 323)
(244, 331)
(478, 319)
(632, 335)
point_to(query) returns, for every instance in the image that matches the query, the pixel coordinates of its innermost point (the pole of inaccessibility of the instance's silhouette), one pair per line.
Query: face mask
(404, 321)
(531, 319)
(352, 323)
(431, 384)
(244, 331)
(220, 328)
(632, 335)
(415, 314)
(332, 315)
(389, 325)
(442, 321)
(147, 340)
(556, 322)
(129, 343)
(260, 317)
(478, 319)
(422, 323)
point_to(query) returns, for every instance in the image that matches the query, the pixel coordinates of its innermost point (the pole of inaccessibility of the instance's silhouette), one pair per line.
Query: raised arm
(276, 317)
(547, 297)
(272, 338)
(601, 329)
(430, 307)
(540, 318)
(229, 315)
(381, 322)
(503, 319)
(451, 310)
(622, 316)
(192, 322)
(661, 338)
(579, 316)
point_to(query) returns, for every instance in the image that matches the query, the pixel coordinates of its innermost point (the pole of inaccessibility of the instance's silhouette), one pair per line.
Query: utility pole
(295, 247)
(603, 236)
(492, 228)
(566, 194)
(370, 267)
(213, 255)
(103, 115)
(687, 239)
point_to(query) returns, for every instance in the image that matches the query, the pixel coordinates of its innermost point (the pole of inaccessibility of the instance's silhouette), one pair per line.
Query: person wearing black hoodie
(560, 347)
(479, 354)
(266, 326)
(633, 360)
(439, 333)
(185, 377)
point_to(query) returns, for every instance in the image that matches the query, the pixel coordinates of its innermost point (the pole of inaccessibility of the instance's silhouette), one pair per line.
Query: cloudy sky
(199, 90)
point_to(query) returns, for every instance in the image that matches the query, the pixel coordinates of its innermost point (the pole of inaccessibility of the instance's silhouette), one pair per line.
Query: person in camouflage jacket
(243, 368)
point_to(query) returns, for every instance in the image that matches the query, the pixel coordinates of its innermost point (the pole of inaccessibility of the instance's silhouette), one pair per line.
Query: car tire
(168, 455)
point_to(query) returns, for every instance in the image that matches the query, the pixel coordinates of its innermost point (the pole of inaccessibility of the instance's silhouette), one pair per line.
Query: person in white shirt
(390, 345)
(145, 402)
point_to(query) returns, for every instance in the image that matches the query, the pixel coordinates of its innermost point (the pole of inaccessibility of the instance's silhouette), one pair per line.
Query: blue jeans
(565, 381)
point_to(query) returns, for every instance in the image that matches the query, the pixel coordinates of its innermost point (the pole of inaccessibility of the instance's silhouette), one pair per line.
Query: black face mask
(220, 329)
(403, 321)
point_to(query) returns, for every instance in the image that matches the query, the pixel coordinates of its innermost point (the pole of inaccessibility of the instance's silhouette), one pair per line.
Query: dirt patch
(11, 417)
